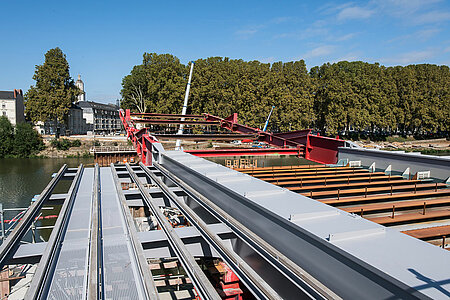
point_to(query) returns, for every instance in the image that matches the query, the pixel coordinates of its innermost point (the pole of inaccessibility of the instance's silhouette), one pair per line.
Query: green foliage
(27, 141)
(6, 137)
(76, 143)
(356, 99)
(52, 95)
(399, 139)
(64, 144)
(95, 143)
(23, 141)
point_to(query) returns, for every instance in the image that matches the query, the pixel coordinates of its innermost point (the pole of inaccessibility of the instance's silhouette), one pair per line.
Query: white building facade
(11, 106)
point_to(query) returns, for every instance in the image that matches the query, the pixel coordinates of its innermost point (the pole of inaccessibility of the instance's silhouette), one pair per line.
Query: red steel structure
(301, 142)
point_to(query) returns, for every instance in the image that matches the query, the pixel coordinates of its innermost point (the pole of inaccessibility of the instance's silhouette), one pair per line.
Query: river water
(21, 179)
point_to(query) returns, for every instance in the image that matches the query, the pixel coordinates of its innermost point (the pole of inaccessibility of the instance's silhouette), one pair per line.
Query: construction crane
(267, 122)
(186, 97)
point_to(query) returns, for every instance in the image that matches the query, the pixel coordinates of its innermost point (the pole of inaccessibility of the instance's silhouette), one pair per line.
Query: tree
(27, 141)
(157, 85)
(6, 136)
(135, 90)
(50, 99)
(345, 97)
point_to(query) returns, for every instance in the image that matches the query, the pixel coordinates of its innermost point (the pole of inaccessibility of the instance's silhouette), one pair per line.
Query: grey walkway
(70, 276)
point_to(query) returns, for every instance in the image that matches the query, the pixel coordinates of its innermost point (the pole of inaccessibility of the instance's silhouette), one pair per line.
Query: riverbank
(82, 151)
(432, 147)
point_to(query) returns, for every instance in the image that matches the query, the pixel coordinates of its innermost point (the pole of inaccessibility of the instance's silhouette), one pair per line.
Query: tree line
(19, 141)
(337, 98)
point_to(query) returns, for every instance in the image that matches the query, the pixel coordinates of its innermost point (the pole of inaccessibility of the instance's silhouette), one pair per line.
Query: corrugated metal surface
(69, 279)
(120, 268)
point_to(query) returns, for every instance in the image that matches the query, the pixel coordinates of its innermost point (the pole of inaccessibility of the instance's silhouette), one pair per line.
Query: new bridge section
(335, 245)
(278, 243)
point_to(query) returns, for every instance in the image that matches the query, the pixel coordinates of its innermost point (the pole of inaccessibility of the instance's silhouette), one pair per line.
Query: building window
(4, 113)
(3, 105)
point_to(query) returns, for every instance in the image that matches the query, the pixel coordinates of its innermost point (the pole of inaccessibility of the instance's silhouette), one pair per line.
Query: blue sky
(103, 40)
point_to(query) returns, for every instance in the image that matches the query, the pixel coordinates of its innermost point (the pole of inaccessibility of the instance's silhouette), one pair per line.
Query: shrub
(6, 136)
(76, 143)
(27, 141)
(64, 144)
(22, 142)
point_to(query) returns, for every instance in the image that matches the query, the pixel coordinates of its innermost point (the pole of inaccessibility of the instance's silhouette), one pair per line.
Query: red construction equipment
(313, 147)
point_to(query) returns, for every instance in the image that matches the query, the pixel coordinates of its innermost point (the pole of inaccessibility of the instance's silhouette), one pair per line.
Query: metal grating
(121, 279)
(69, 278)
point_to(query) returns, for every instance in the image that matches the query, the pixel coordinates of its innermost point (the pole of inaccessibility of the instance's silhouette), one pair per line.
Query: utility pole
(186, 97)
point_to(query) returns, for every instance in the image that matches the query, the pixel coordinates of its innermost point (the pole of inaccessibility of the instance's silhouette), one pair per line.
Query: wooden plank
(379, 207)
(411, 217)
(288, 170)
(383, 189)
(387, 197)
(315, 173)
(333, 178)
(284, 167)
(4, 285)
(353, 185)
(430, 232)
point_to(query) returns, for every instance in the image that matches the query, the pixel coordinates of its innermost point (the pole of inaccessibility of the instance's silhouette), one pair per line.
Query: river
(21, 179)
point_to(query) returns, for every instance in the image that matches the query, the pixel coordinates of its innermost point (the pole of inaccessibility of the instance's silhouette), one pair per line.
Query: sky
(103, 40)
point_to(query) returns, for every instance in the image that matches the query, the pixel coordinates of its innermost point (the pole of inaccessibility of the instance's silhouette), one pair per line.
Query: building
(101, 118)
(11, 106)
(80, 84)
(86, 117)
(75, 124)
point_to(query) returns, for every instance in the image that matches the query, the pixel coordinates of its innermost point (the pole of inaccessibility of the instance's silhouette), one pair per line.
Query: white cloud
(319, 51)
(318, 28)
(425, 34)
(280, 20)
(246, 32)
(352, 56)
(354, 12)
(420, 35)
(434, 16)
(267, 60)
(409, 57)
(344, 37)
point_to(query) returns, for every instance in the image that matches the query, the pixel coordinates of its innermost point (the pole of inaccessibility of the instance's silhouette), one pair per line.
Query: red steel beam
(207, 137)
(313, 147)
(174, 121)
(244, 152)
(167, 115)
(141, 139)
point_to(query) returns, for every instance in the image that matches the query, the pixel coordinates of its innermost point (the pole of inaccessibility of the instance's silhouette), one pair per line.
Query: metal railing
(112, 149)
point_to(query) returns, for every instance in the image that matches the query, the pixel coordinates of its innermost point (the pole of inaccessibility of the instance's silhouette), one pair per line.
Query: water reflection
(266, 160)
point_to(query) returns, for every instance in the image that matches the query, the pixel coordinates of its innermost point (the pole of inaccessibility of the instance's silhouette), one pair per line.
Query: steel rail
(198, 278)
(146, 278)
(40, 283)
(252, 280)
(341, 272)
(95, 278)
(6, 249)
(286, 267)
